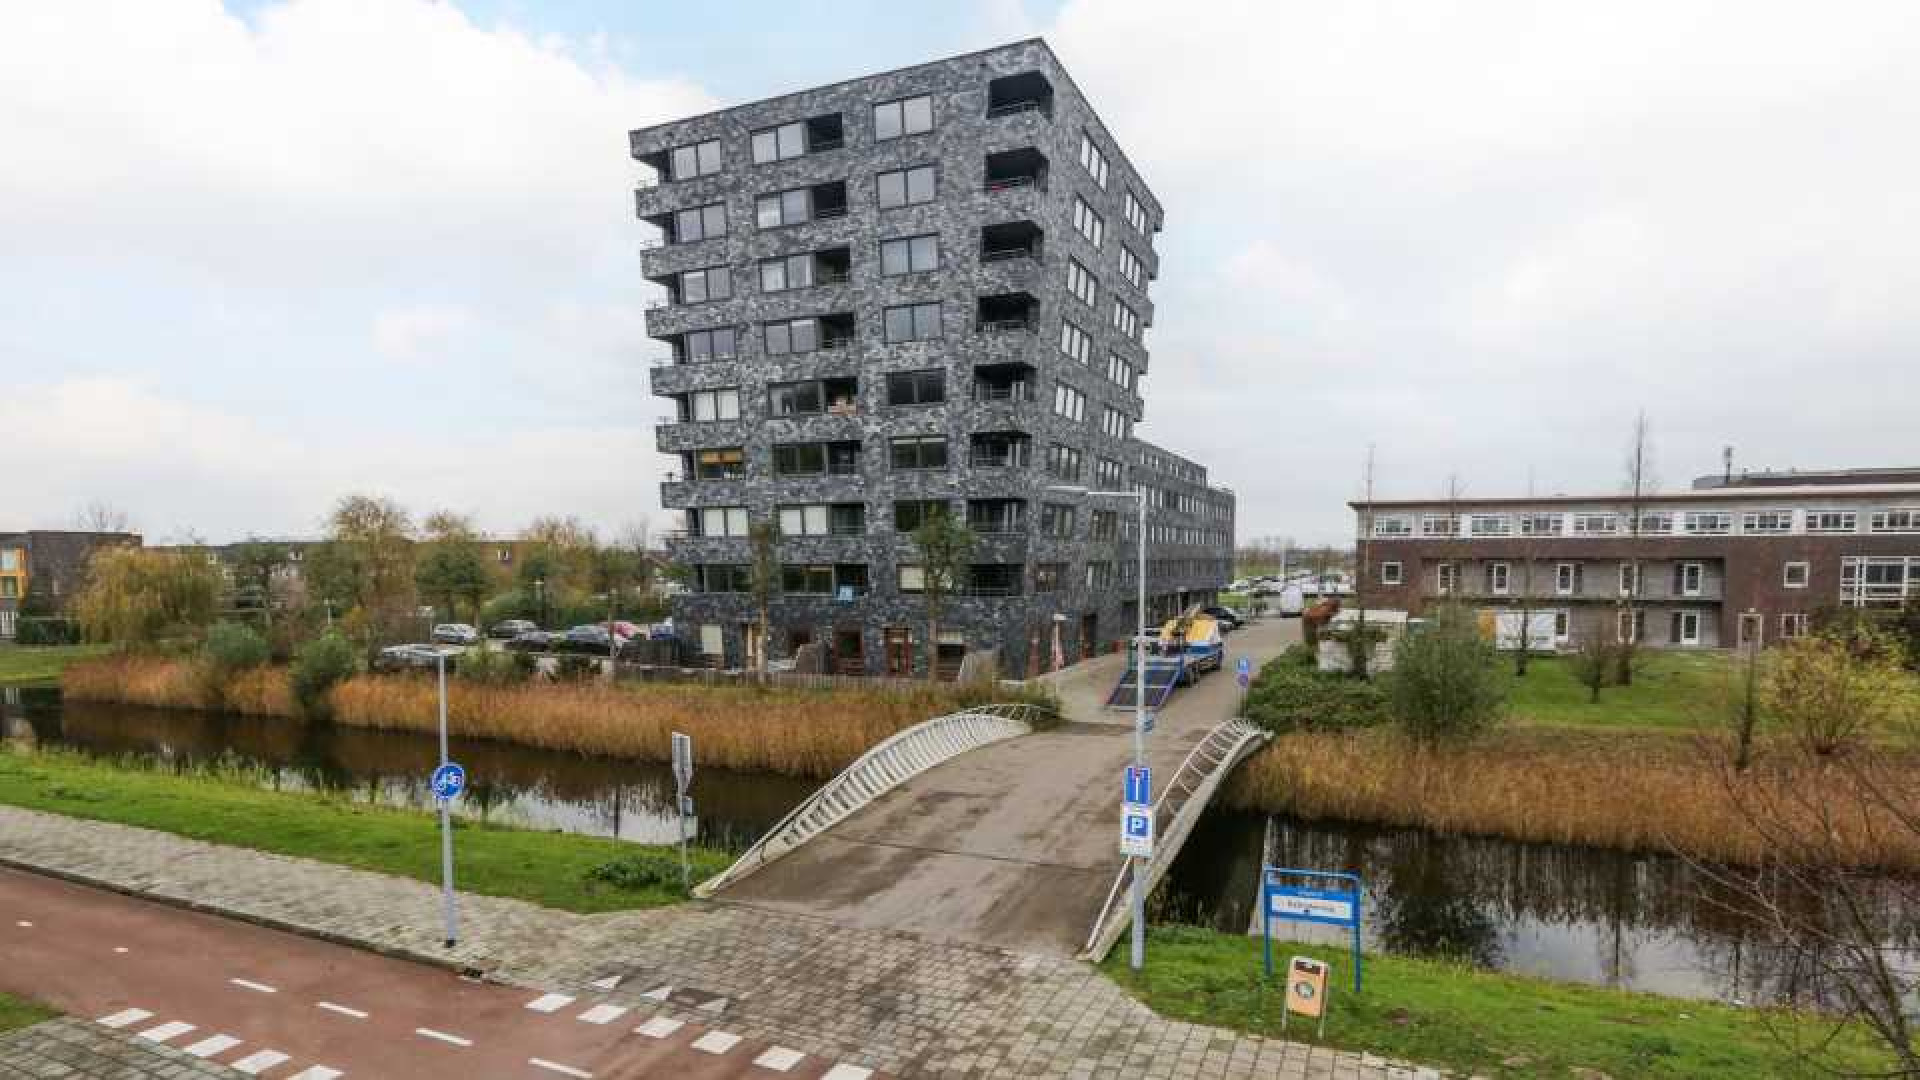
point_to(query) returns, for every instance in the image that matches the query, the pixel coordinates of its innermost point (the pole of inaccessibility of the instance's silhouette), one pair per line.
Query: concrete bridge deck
(1015, 844)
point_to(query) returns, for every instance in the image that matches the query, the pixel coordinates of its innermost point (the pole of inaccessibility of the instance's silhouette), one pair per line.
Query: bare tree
(102, 517)
(1529, 555)
(1363, 551)
(1640, 484)
(763, 539)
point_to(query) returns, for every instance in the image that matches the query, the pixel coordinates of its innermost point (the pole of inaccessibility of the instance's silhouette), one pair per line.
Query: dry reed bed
(1629, 792)
(164, 683)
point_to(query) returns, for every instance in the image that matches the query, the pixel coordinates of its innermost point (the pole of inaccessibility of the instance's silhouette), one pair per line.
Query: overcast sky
(256, 256)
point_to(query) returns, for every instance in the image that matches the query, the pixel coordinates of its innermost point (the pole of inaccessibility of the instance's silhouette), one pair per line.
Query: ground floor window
(713, 640)
(1562, 626)
(1794, 575)
(1878, 582)
(1686, 628)
(1630, 626)
(1753, 627)
(1390, 573)
(1793, 624)
(1449, 579)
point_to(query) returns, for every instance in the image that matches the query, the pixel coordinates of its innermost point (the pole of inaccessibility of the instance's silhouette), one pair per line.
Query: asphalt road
(290, 1008)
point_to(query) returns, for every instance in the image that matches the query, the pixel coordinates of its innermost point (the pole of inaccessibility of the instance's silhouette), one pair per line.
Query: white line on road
(429, 1033)
(24, 924)
(257, 1063)
(847, 1072)
(121, 949)
(659, 1027)
(779, 1059)
(341, 1009)
(717, 1042)
(215, 1044)
(161, 1034)
(124, 1017)
(547, 1003)
(604, 1014)
(563, 1070)
(249, 984)
(318, 1072)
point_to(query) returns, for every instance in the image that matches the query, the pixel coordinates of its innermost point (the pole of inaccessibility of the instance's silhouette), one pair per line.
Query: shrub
(1445, 683)
(655, 870)
(1830, 692)
(1289, 697)
(1595, 665)
(230, 649)
(320, 665)
(45, 630)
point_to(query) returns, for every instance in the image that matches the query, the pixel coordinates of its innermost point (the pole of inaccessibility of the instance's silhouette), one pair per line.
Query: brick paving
(897, 1002)
(69, 1049)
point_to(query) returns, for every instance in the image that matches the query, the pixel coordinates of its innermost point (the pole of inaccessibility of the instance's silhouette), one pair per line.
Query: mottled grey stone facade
(1060, 572)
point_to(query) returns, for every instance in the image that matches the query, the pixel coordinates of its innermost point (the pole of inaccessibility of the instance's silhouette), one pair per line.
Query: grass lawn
(551, 869)
(22, 664)
(1435, 1013)
(15, 1013)
(1671, 691)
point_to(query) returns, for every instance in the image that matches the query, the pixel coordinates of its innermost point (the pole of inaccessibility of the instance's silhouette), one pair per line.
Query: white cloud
(419, 332)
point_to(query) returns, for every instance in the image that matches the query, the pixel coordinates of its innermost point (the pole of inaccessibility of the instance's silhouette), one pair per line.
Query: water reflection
(1643, 922)
(508, 784)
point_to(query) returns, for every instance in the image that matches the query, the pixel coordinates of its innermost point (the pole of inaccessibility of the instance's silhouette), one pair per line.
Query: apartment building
(43, 568)
(919, 292)
(1735, 560)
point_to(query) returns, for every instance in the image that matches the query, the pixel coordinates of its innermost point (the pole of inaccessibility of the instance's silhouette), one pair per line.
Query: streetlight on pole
(1138, 957)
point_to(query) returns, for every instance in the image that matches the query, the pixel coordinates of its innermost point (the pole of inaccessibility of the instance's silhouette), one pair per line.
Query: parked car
(1228, 618)
(533, 641)
(591, 637)
(455, 633)
(408, 657)
(512, 628)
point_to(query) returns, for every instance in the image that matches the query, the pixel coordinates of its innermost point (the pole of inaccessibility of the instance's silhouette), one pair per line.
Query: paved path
(1012, 845)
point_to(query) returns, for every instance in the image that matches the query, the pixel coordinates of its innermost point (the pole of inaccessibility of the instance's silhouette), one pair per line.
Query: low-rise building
(42, 569)
(1749, 558)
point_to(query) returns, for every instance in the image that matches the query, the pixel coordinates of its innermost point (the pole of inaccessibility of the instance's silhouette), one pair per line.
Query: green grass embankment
(23, 665)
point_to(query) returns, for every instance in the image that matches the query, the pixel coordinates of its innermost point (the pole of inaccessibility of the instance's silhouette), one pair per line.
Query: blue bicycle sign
(449, 780)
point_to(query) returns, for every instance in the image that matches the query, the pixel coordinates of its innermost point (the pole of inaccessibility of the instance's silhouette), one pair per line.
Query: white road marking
(779, 1059)
(607, 983)
(563, 1070)
(216, 1044)
(714, 1006)
(317, 1072)
(547, 1003)
(716, 1042)
(249, 984)
(659, 1027)
(121, 949)
(847, 1072)
(658, 993)
(164, 1032)
(341, 1009)
(257, 1063)
(429, 1033)
(24, 924)
(604, 1014)
(124, 1017)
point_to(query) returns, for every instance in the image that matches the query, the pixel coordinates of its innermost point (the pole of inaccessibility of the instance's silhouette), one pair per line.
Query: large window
(708, 405)
(908, 116)
(812, 396)
(912, 322)
(696, 159)
(1069, 403)
(786, 272)
(909, 255)
(1766, 522)
(700, 346)
(1447, 579)
(1878, 582)
(800, 459)
(1706, 523)
(906, 187)
(1392, 525)
(1092, 160)
(1063, 462)
(1081, 282)
(697, 223)
(1490, 525)
(1056, 520)
(1132, 268)
(1686, 628)
(1109, 474)
(1439, 525)
(783, 208)
(1089, 223)
(1595, 524)
(1540, 524)
(1832, 521)
(1568, 578)
(916, 387)
(918, 452)
(1105, 525)
(1689, 578)
(1135, 212)
(780, 143)
(719, 520)
(723, 578)
(700, 286)
(1902, 520)
(1498, 576)
(1119, 371)
(910, 514)
(1126, 320)
(720, 463)
(1075, 343)
(1115, 423)
(792, 336)
(823, 519)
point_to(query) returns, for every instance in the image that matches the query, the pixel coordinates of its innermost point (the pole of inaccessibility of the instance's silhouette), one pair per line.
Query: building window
(720, 463)
(1099, 575)
(1540, 524)
(1126, 320)
(1109, 474)
(1629, 627)
(1658, 524)
(1063, 462)
(1794, 575)
(1562, 626)
(1132, 268)
(1390, 525)
(1688, 578)
(792, 336)
(780, 143)
(708, 405)
(804, 520)
(1902, 520)
(1048, 576)
(1878, 582)
(1116, 423)
(1568, 578)
(786, 272)
(700, 346)
(1119, 372)
(698, 223)
(1056, 520)
(1081, 282)
(1069, 403)
(1088, 223)
(911, 579)
(1793, 624)
(1832, 521)
(1629, 579)
(720, 520)
(1439, 525)
(811, 397)
(1105, 525)
(700, 286)
(1092, 160)
(1447, 581)
(1498, 575)
(724, 578)
(918, 452)
(1767, 522)
(910, 514)
(783, 208)
(912, 322)
(1075, 343)
(1706, 523)
(697, 159)
(1595, 524)
(1135, 213)
(807, 580)
(1489, 525)
(1686, 628)
(906, 187)
(909, 255)
(908, 116)
(1391, 573)
(799, 459)
(916, 387)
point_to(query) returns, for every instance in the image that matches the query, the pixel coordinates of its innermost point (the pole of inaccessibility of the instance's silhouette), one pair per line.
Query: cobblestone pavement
(896, 1002)
(70, 1049)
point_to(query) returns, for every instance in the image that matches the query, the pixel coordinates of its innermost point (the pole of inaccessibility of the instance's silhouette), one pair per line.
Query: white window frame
(1895, 519)
(900, 105)
(1793, 624)
(1627, 625)
(1093, 160)
(731, 521)
(722, 403)
(1566, 579)
(1632, 576)
(1088, 222)
(1693, 579)
(1787, 574)
(1447, 579)
(1445, 525)
(1681, 635)
(1844, 521)
(1392, 525)
(1530, 524)
(1392, 573)
(1596, 523)
(1766, 522)
(1489, 524)
(1499, 578)
(1706, 523)
(806, 519)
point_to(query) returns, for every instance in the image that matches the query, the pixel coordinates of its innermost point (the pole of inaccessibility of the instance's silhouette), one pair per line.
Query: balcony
(1007, 313)
(994, 580)
(1015, 95)
(1000, 450)
(1008, 170)
(1010, 383)
(997, 517)
(1011, 240)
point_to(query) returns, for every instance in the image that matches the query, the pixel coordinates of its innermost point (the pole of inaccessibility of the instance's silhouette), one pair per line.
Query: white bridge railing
(1179, 806)
(890, 763)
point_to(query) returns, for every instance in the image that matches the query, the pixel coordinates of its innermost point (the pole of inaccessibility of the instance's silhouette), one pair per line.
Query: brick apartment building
(1736, 559)
(41, 569)
(917, 292)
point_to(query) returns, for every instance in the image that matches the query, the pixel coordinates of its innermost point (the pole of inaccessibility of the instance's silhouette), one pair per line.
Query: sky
(257, 256)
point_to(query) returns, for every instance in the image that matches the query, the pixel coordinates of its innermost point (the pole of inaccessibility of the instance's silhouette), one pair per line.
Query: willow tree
(138, 596)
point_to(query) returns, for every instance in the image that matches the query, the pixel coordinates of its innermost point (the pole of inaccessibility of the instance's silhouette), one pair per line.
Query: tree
(102, 517)
(369, 567)
(1828, 693)
(1640, 484)
(945, 544)
(1593, 664)
(452, 569)
(257, 566)
(139, 596)
(1529, 558)
(1445, 683)
(1744, 703)
(763, 540)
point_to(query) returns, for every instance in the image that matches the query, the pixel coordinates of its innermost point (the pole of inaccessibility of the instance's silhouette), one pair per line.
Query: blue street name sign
(1243, 671)
(1139, 785)
(449, 780)
(1334, 900)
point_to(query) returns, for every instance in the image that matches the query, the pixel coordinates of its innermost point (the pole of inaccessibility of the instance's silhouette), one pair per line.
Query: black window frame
(915, 314)
(921, 447)
(912, 248)
(906, 175)
(917, 384)
(900, 104)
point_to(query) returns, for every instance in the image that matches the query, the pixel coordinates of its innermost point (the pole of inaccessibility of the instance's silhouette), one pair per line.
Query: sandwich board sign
(1333, 900)
(1306, 991)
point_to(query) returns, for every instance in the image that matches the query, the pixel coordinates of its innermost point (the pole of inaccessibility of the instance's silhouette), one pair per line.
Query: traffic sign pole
(449, 914)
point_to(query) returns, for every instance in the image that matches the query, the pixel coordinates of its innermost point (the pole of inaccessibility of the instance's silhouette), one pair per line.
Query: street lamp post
(1138, 954)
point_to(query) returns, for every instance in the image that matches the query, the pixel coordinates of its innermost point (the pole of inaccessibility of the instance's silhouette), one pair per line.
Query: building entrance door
(1089, 634)
(898, 644)
(755, 644)
(1753, 628)
(849, 651)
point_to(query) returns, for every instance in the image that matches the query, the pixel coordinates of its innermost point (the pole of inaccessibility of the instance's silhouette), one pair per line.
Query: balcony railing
(1011, 183)
(1014, 108)
(1011, 392)
(1007, 459)
(820, 146)
(827, 213)
(859, 529)
(832, 277)
(997, 528)
(831, 344)
(991, 588)
(989, 255)
(1006, 326)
